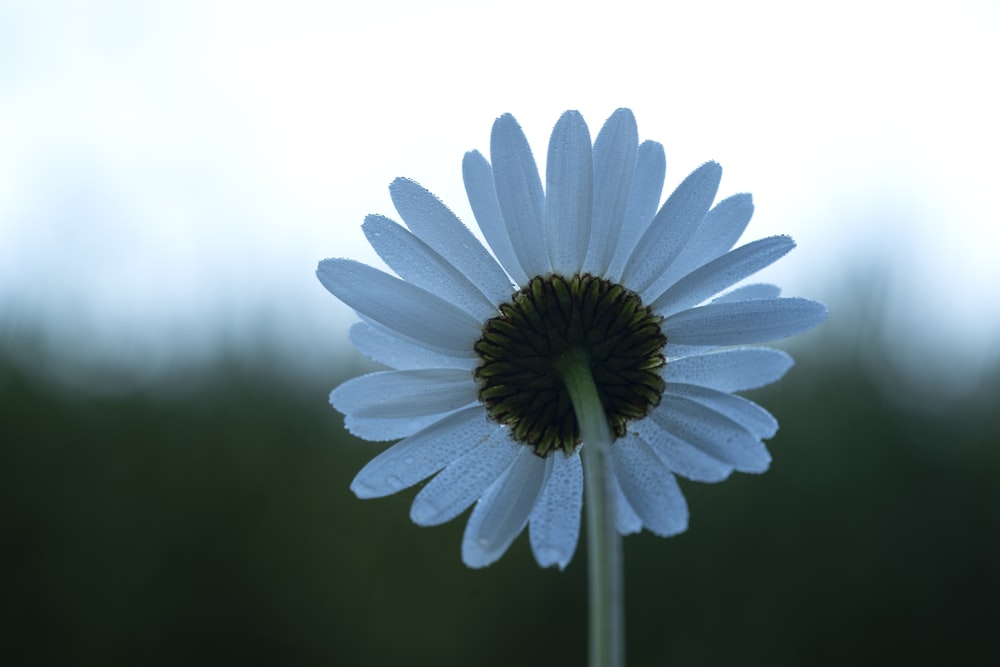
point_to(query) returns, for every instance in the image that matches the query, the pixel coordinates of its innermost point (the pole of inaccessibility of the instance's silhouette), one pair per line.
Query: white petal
(464, 480)
(569, 194)
(643, 198)
(519, 193)
(398, 394)
(614, 165)
(400, 306)
(478, 176)
(387, 348)
(730, 370)
(421, 455)
(381, 429)
(721, 273)
(716, 234)
(441, 229)
(626, 520)
(649, 486)
(554, 527)
(748, 292)
(502, 512)
(681, 351)
(670, 230)
(755, 419)
(716, 435)
(418, 263)
(681, 457)
(740, 322)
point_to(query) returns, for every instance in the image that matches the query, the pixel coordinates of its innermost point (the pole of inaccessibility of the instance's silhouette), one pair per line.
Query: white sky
(170, 172)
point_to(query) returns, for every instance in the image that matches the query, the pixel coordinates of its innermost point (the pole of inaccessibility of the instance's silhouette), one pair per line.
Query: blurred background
(173, 483)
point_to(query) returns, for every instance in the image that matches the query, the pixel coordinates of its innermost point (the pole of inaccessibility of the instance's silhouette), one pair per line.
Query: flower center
(518, 381)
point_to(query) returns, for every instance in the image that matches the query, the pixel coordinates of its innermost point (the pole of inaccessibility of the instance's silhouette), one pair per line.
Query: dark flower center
(518, 383)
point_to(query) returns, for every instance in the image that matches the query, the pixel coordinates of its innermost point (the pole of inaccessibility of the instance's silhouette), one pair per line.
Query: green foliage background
(208, 521)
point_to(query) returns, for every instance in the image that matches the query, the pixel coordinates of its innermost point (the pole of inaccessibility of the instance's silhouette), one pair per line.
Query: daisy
(587, 273)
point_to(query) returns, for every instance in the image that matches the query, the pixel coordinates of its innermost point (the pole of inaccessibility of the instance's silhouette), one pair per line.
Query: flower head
(591, 263)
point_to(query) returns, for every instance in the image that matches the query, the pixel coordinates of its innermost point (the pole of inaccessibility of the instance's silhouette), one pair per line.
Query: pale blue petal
(438, 227)
(417, 263)
(478, 176)
(716, 234)
(730, 370)
(626, 520)
(423, 454)
(554, 525)
(464, 480)
(502, 512)
(716, 435)
(643, 199)
(748, 292)
(681, 457)
(681, 351)
(404, 308)
(670, 230)
(755, 419)
(614, 165)
(649, 486)
(385, 347)
(519, 193)
(381, 429)
(400, 394)
(569, 194)
(721, 273)
(742, 322)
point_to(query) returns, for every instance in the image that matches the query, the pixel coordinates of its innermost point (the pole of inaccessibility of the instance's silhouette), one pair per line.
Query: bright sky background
(170, 172)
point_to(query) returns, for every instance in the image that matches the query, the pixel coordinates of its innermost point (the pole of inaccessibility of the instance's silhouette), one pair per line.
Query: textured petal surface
(397, 394)
(383, 346)
(423, 454)
(721, 273)
(742, 322)
(502, 512)
(755, 419)
(717, 233)
(568, 194)
(670, 230)
(438, 227)
(464, 480)
(381, 429)
(649, 486)
(730, 370)
(400, 306)
(519, 193)
(626, 520)
(554, 527)
(748, 292)
(478, 176)
(615, 152)
(418, 263)
(682, 457)
(713, 433)
(643, 198)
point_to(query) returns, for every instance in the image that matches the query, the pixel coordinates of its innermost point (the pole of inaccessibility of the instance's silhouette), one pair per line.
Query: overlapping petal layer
(598, 213)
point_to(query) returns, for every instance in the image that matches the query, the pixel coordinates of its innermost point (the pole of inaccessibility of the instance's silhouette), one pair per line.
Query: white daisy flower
(589, 262)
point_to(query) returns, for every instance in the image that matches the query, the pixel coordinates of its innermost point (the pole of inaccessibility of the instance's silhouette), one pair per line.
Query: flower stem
(604, 548)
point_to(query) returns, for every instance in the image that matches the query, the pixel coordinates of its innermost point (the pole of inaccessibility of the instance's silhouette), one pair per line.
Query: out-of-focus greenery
(209, 522)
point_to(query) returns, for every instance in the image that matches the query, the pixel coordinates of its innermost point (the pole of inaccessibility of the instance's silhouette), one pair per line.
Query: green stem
(604, 548)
